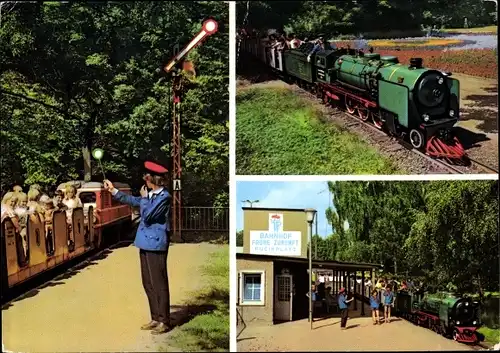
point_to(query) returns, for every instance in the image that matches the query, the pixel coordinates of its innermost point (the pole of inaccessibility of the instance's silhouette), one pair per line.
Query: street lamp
(251, 202)
(310, 213)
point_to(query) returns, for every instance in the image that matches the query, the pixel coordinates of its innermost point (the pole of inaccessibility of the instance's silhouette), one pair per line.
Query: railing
(205, 219)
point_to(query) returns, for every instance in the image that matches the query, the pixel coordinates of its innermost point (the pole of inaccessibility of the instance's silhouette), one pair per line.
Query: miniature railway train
(410, 102)
(444, 313)
(49, 247)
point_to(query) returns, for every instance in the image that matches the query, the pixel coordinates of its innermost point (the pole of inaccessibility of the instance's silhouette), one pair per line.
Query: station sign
(275, 241)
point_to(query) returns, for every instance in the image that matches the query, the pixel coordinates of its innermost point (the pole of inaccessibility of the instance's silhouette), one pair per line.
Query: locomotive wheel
(318, 92)
(416, 138)
(326, 99)
(350, 106)
(378, 121)
(364, 113)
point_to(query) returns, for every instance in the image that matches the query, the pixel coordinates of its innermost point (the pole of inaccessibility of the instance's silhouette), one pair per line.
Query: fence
(205, 219)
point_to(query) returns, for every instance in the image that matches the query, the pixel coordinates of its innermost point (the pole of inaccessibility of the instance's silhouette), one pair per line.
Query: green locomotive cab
(325, 65)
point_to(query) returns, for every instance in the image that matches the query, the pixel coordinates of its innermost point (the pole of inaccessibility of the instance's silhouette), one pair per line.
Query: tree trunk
(480, 289)
(87, 166)
(395, 267)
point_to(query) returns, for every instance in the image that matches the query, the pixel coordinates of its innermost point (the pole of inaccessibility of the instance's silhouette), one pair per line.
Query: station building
(273, 267)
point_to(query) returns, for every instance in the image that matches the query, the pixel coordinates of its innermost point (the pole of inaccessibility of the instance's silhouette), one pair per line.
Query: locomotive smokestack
(416, 63)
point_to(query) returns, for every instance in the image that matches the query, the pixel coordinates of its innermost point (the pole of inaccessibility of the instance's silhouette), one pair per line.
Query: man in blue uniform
(343, 303)
(152, 239)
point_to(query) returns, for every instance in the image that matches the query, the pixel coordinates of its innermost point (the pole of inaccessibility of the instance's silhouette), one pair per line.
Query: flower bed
(476, 62)
(406, 44)
(415, 43)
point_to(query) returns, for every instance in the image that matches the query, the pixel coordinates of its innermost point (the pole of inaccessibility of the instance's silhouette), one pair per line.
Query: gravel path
(101, 308)
(361, 335)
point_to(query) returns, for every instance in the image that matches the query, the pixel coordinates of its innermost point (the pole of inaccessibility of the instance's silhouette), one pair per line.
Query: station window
(252, 285)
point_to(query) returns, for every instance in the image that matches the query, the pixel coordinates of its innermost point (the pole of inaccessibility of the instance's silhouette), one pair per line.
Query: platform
(100, 307)
(360, 335)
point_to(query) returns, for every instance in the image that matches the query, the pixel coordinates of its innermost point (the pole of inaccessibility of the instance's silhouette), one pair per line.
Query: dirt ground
(101, 307)
(478, 125)
(361, 335)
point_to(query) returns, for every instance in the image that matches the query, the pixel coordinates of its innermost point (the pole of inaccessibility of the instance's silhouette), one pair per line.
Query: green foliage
(82, 75)
(330, 18)
(445, 231)
(280, 133)
(239, 238)
(491, 336)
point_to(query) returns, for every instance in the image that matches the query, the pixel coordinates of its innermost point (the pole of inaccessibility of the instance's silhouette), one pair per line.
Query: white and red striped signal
(209, 27)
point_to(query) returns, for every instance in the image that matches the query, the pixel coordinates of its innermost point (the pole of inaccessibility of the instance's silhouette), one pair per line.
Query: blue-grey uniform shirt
(342, 301)
(154, 226)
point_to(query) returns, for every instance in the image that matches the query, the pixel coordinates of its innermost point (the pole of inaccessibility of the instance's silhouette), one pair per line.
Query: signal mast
(209, 27)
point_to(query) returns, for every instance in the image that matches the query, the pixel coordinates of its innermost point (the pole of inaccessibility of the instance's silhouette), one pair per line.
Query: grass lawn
(280, 133)
(491, 336)
(486, 30)
(208, 332)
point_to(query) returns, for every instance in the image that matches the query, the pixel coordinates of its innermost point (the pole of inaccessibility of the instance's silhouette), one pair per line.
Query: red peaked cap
(155, 168)
(342, 290)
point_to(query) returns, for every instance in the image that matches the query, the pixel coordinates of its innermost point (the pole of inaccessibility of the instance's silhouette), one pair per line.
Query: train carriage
(48, 246)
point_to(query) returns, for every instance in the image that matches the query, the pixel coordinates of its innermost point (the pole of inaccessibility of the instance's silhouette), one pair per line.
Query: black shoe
(161, 328)
(151, 325)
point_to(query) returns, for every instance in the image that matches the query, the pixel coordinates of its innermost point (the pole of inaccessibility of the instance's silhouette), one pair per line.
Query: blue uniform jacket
(342, 301)
(154, 227)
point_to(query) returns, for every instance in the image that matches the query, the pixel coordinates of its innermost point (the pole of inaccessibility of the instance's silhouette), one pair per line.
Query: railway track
(58, 273)
(441, 164)
(450, 168)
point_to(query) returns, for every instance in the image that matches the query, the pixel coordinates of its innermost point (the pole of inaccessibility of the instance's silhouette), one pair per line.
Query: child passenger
(8, 205)
(71, 201)
(49, 211)
(22, 213)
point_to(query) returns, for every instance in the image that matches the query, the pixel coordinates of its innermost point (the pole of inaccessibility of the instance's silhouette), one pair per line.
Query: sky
(273, 194)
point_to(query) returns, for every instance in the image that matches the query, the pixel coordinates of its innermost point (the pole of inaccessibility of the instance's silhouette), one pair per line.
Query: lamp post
(251, 202)
(310, 213)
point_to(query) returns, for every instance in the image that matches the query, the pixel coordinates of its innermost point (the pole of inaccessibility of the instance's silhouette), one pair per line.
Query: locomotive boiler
(444, 313)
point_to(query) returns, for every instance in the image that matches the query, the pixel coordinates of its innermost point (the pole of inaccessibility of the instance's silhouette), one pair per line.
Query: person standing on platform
(388, 303)
(152, 239)
(343, 303)
(374, 305)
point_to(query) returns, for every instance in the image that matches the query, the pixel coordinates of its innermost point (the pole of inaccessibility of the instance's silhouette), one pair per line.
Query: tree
(444, 230)
(239, 238)
(80, 75)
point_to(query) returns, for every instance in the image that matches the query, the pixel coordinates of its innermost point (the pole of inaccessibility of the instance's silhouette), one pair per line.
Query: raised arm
(134, 201)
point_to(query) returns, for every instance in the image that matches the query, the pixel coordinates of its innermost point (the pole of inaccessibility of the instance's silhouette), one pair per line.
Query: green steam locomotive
(444, 313)
(410, 102)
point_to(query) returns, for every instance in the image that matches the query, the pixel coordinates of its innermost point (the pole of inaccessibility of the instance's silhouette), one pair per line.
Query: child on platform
(374, 305)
